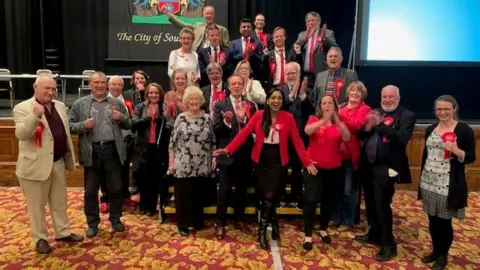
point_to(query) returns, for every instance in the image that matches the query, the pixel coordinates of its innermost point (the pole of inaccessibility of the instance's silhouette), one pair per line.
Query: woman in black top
(449, 146)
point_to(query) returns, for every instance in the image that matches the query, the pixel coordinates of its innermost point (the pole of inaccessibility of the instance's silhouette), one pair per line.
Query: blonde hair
(360, 86)
(241, 63)
(187, 31)
(172, 78)
(192, 91)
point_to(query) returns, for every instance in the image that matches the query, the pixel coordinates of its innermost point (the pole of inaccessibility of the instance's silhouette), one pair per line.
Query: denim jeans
(345, 210)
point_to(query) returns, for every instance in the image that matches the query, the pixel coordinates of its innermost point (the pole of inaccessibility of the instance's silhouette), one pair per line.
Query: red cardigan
(354, 119)
(287, 128)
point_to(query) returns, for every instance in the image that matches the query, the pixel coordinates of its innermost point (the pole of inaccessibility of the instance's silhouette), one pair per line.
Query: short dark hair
(246, 20)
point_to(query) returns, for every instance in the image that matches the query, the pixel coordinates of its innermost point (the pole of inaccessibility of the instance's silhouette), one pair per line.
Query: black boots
(265, 219)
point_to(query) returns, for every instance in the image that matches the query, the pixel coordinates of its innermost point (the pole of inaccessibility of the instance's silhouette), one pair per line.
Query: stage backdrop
(139, 32)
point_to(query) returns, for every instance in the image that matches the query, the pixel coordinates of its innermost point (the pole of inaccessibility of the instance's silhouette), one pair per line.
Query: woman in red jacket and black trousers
(353, 115)
(273, 128)
(326, 133)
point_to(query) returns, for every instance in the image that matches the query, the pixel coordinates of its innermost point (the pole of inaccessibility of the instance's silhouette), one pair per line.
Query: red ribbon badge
(263, 39)
(339, 84)
(248, 107)
(387, 121)
(273, 69)
(320, 41)
(276, 128)
(253, 46)
(222, 57)
(38, 134)
(129, 105)
(448, 137)
(219, 95)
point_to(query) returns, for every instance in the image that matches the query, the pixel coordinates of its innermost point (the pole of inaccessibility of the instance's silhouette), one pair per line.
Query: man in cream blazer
(45, 153)
(200, 29)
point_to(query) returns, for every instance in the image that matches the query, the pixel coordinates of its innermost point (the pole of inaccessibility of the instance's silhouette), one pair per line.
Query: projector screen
(418, 31)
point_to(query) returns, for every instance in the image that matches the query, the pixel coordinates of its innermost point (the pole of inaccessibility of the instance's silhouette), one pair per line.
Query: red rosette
(448, 137)
(248, 107)
(253, 46)
(222, 56)
(273, 68)
(38, 134)
(339, 84)
(219, 95)
(129, 105)
(263, 39)
(387, 121)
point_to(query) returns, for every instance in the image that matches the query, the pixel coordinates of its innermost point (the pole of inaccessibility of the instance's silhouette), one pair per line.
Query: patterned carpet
(149, 245)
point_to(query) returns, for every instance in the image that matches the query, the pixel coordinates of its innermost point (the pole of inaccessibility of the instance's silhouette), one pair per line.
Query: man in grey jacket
(98, 120)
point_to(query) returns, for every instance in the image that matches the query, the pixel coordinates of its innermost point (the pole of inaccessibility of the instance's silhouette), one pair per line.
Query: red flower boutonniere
(222, 56)
(248, 107)
(273, 68)
(38, 134)
(263, 38)
(129, 105)
(253, 46)
(339, 84)
(387, 121)
(448, 137)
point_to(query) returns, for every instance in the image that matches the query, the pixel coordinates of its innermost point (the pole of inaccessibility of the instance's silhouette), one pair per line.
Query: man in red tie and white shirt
(260, 34)
(275, 60)
(311, 47)
(214, 53)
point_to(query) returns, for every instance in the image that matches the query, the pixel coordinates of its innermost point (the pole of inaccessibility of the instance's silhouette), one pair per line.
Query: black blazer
(300, 110)
(225, 135)
(140, 126)
(207, 94)
(136, 96)
(204, 60)
(398, 136)
(270, 44)
(457, 190)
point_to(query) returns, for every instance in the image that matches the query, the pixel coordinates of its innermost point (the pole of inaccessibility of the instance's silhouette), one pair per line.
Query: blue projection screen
(423, 31)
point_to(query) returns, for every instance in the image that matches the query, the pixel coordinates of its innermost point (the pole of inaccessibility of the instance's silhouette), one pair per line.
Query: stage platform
(9, 153)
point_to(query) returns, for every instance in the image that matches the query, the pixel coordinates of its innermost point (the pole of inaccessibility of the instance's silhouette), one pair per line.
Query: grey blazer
(80, 112)
(319, 55)
(347, 75)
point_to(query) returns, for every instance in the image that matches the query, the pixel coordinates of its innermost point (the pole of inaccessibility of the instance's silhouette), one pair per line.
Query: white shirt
(187, 62)
(273, 137)
(125, 133)
(306, 65)
(279, 60)
(232, 99)
(212, 53)
(243, 43)
(212, 87)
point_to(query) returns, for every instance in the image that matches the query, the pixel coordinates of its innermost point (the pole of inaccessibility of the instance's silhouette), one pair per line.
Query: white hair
(335, 48)
(313, 14)
(192, 91)
(296, 65)
(115, 77)
(43, 77)
(397, 90)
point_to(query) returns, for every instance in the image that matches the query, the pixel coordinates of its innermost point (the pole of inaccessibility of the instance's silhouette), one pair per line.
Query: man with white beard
(383, 163)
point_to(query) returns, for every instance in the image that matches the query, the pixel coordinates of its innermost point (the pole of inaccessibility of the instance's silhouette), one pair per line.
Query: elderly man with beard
(383, 163)
(299, 101)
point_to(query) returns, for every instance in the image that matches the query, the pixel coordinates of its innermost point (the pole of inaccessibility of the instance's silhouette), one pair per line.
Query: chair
(44, 72)
(6, 85)
(84, 87)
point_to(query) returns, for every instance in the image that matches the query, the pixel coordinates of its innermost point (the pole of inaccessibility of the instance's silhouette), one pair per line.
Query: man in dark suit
(312, 46)
(299, 102)
(230, 116)
(259, 33)
(383, 163)
(274, 62)
(245, 48)
(216, 90)
(335, 80)
(214, 53)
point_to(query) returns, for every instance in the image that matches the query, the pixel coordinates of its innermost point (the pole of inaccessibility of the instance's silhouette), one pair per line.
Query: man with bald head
(383, 163)
(45, 153)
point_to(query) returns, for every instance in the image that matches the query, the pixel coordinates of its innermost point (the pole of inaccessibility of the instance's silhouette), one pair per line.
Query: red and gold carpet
(148, 245)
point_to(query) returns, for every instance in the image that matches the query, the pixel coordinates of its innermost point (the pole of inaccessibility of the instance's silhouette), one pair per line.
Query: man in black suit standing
(383, 163)
(214, 53)
(216, 90)
(260, 34)
(312, 46)
(231, 115)
(275, 60)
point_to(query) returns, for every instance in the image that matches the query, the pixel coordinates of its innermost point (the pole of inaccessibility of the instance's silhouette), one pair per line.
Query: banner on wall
(138, 31)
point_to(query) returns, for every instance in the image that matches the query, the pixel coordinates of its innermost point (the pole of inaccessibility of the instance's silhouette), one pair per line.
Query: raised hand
(297, 48)
(193, 77)
(38, 109)
(303, 87)
(227, 117)
(240, 111)
(139, 87)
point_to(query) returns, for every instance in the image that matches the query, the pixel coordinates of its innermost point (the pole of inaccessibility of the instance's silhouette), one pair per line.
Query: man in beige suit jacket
(200, 29)
(45, 153)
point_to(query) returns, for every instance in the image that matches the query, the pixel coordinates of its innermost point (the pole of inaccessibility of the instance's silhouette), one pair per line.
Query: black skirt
(270, 172)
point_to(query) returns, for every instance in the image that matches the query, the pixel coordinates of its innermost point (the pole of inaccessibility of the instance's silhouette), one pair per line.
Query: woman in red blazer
(326, 133)
(273, 128)
(353, 115)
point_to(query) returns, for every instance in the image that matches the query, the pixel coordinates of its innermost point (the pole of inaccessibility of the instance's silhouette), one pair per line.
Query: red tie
(310, 56)
(215, 57)
(246, 43)
(282, 67)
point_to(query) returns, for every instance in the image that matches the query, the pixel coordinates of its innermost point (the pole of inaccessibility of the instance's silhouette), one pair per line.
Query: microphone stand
(353, 46)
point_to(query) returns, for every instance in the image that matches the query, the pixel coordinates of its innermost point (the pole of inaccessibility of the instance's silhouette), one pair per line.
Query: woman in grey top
(449, 146)
(192, 143)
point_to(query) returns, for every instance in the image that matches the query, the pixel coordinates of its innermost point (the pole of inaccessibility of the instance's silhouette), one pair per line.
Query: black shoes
(307, 246)
(386, 253)
(367, 239)
(71, 238)
(91, 232)
(430, 258)
(441, 263)
(42, 247)
(183, 232)
(118, 226)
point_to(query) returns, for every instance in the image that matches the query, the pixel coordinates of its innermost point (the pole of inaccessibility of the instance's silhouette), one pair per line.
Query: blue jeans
(346, 205)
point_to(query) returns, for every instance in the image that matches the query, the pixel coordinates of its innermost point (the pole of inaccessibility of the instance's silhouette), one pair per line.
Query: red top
(354, 119)
(153, 125)
(324, 148)
(286, 128)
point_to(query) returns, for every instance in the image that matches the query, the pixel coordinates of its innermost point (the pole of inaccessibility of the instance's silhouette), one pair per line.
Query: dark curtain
(23, 41)
(85, 32)
(3, 36)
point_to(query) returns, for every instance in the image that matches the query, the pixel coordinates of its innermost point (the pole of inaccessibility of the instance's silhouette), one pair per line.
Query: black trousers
(322, 187)
(441, 231)
(235, 174)
(105, 166)
(189, 202)
(148, 180)
(379, 189)
(125, 174)
(295, 178)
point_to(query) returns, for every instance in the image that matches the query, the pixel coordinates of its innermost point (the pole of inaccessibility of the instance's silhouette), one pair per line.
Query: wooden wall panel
(9, 153)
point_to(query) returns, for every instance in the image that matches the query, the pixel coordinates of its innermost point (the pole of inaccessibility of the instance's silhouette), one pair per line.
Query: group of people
(320, 128)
